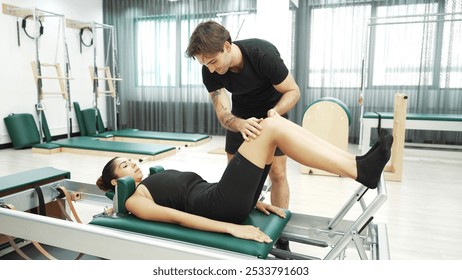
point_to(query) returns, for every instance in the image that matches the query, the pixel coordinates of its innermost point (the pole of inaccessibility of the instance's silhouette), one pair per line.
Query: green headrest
(155, 169)
(125, 188)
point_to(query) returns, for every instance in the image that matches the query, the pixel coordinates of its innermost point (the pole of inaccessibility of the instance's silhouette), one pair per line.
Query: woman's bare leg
(300, 145)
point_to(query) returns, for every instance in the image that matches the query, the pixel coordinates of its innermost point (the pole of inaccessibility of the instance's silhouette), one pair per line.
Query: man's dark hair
(208, 39)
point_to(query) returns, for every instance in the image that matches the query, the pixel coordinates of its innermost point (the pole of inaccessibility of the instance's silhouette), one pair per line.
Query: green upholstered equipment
(92, 121)
(415, 116)
(128, 183)
(18, 182)
(27, 179)
(78, 114)
(95, 144)
(22, 130)
(272, 225)
(88, 119)
(414, 121)
(45, 129)
(125, 188)
(166, 136)
(91, 143)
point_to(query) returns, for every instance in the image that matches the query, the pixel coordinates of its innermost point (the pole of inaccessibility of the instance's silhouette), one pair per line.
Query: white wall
(18, 93)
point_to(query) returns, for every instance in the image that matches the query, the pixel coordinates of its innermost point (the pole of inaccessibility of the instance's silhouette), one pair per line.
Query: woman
(184, 198)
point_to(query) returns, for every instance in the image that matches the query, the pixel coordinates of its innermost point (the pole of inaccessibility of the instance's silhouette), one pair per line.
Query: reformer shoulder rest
(272, 225)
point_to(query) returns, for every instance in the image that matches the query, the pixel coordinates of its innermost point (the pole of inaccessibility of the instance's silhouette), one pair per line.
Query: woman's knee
(271, 124)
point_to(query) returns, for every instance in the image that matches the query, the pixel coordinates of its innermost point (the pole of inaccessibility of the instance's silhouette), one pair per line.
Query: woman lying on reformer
(186, 199)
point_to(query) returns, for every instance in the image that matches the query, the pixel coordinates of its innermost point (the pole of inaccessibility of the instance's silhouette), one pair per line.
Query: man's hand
(249, 128)
(272, 113)
(267, 208)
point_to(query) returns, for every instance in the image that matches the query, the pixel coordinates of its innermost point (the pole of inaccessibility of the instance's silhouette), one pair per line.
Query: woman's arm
(145, 208)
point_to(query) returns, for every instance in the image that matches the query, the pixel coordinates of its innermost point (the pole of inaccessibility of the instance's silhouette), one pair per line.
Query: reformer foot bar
(119, 239)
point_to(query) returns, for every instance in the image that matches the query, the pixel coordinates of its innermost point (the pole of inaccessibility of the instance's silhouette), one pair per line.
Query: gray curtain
(162, 90)
(409, 46)
(349, 49)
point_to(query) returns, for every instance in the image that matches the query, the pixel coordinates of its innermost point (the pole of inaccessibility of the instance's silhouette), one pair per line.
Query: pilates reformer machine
(24, 134)
(113, 233)
(86, 121)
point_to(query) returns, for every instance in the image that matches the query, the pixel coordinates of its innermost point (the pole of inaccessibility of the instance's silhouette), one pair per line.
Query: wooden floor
(423, 213)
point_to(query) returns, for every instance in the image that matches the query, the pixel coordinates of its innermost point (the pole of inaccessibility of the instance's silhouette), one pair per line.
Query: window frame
(369, 57)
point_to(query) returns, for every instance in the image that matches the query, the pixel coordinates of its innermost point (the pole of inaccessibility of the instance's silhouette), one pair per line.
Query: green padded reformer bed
(30, 178)
(18, 182)
(122, 235)
(89, 119)
(96, 146)
(272, 225)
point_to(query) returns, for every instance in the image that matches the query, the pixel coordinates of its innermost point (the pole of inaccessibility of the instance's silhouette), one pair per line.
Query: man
(260, 83)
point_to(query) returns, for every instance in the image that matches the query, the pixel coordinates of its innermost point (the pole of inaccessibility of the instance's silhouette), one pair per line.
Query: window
(451, 59)
(191, 70)
(162, 41)
(156, 51)
(334, 33)
(404, 45)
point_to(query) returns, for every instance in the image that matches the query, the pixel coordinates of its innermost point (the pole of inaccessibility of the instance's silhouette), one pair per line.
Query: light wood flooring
(423, 213)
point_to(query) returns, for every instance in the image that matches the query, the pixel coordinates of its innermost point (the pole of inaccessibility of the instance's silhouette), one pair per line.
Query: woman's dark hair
(208, 39)
(104, 181)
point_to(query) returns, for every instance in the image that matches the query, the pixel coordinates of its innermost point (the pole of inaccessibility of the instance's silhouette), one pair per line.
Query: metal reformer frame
(334, 234)
(39, 107)
(111, 45)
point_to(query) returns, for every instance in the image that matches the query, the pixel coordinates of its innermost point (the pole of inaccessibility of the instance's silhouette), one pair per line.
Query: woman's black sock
(370, 168)
(383, 133)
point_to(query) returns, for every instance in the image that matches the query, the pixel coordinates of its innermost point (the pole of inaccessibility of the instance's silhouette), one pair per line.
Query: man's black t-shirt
(252, 88)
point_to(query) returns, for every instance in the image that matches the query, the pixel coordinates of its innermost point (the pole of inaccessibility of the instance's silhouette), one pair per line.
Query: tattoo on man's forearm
(214, 97)
(228, 120)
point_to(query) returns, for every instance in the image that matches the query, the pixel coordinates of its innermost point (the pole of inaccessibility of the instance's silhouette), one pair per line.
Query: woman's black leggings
(237, 192)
